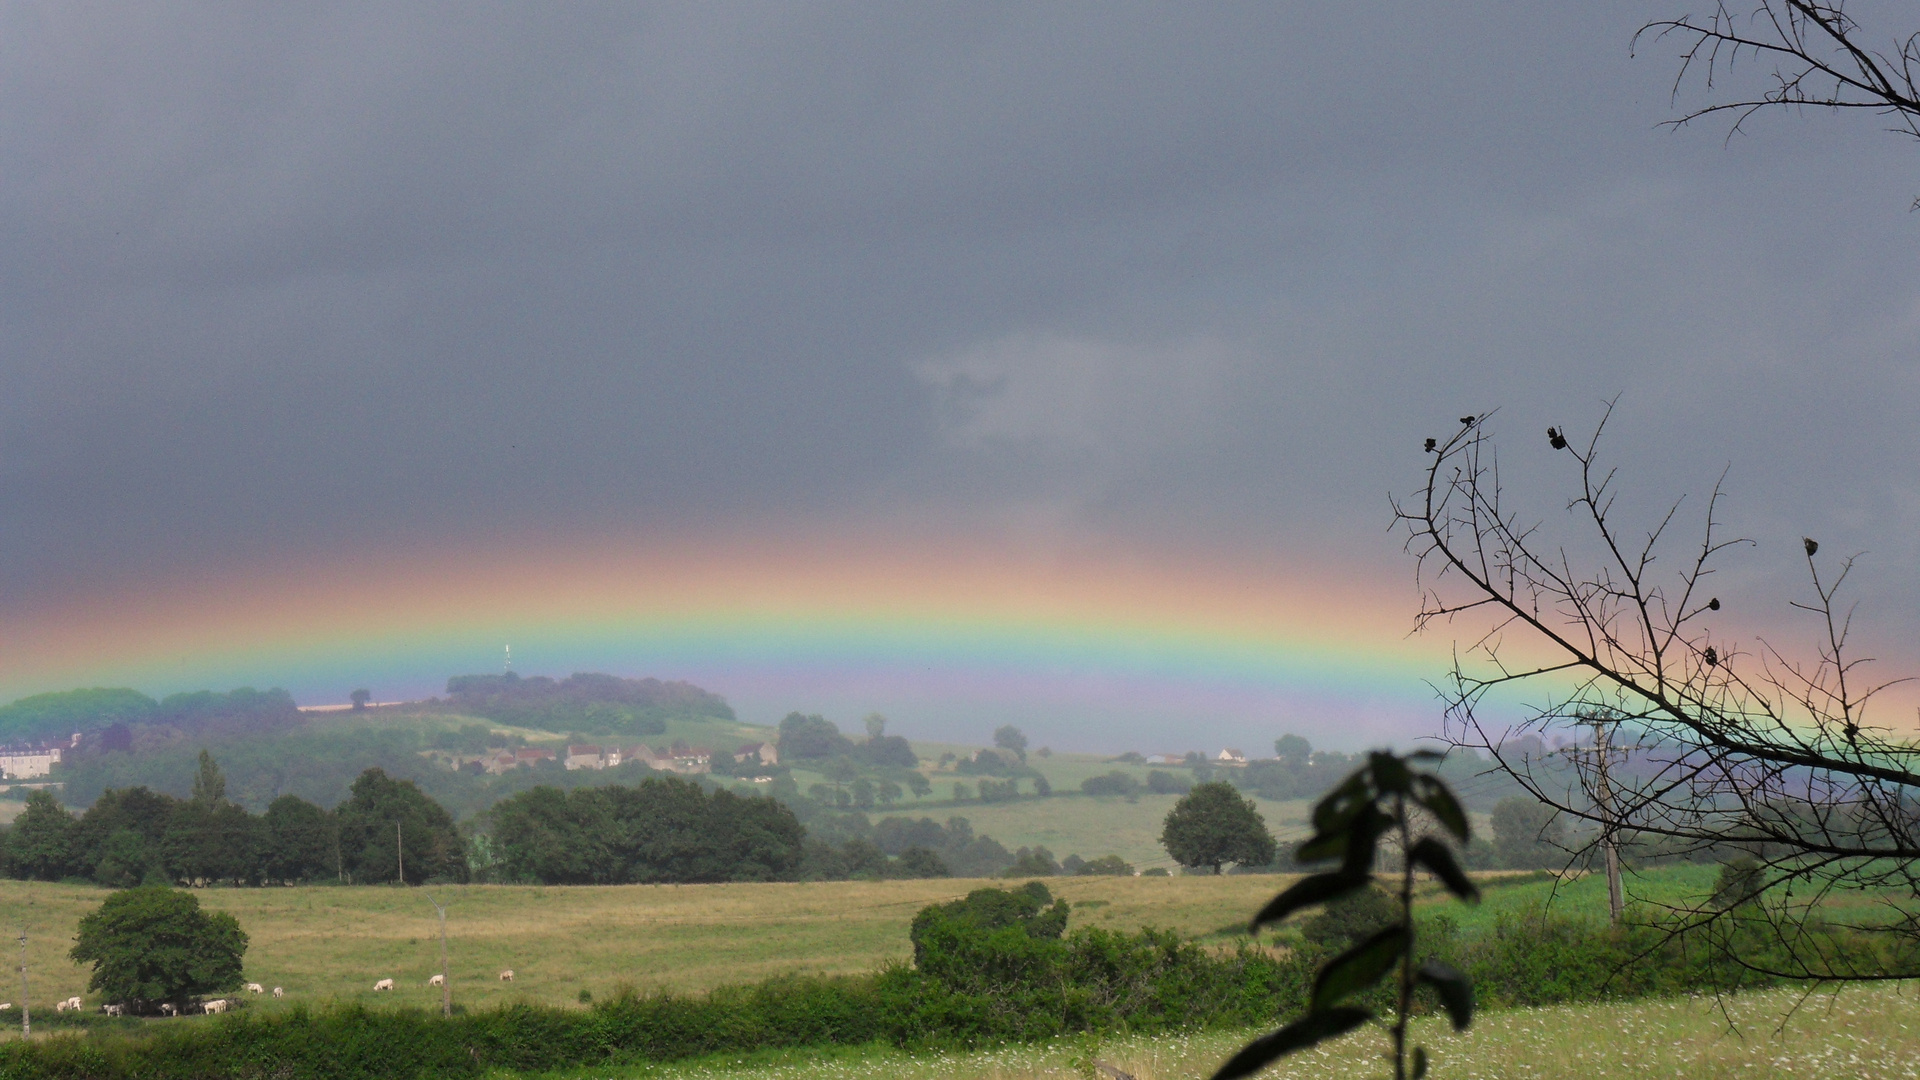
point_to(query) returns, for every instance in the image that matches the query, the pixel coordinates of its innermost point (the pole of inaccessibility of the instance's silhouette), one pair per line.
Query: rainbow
(929, 633)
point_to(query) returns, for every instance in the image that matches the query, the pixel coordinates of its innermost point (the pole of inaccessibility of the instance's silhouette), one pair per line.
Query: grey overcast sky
(285, 280)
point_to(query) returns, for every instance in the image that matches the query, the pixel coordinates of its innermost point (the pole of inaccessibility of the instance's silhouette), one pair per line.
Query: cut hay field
(330, 943)
(1860, 1032)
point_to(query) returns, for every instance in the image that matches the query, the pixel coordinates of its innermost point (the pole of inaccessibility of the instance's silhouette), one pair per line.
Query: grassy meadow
(329, 943)
(1857, 1032)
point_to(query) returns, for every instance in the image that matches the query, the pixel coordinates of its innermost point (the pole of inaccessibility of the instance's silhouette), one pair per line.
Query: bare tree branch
(1815, 54)
(1728, 751)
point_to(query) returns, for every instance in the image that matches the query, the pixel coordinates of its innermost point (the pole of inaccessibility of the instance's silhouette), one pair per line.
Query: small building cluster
(679, 758)
(495, 762)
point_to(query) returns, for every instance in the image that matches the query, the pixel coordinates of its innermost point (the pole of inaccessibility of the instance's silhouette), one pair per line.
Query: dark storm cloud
(281, 280)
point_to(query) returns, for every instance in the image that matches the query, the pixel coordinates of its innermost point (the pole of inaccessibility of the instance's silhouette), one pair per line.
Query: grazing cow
(5, 1005)
(167, 1008)
(256, 988)
(217, 1005)
(60, 1006)
(277, 992)
(74, 1003)
(437, 980)
(114, 1010)
(507, 975)
(383, 984)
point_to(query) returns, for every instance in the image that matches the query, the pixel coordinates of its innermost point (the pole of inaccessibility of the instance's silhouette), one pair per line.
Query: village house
(763, 752)
(1231, 756)
(495, 762)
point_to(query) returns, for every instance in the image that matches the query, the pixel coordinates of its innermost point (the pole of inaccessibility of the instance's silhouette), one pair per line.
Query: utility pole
(26, 1008)
(1603, 796)
(400, 853)
(446, 980)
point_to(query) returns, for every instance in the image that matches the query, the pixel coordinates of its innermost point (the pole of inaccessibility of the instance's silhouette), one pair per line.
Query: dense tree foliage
(135, 836)
(1214, 825)
(40, 843)
(665, 829)
(127, 718)
(386, 822)
(587, 702)
(1529, 835)
(955, 844)
(811, 738)
(154, 944)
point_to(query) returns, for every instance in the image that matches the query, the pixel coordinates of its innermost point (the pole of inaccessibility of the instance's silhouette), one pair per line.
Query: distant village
(677, 758)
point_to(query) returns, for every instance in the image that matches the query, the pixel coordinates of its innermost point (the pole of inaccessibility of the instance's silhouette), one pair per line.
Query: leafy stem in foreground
(1381, 798)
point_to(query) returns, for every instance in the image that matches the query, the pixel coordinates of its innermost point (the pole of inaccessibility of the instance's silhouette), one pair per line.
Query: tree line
(134, 836)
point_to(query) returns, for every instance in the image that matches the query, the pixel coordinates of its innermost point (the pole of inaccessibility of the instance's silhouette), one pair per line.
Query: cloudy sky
(280, 285)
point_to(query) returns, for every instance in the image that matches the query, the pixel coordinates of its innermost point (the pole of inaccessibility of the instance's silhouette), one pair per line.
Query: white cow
(74, 1003)
(114, 1010)
(217, 1005)
(167, 1009)
(383, 984)
(61, 1006)
(256, 988)
(507, 975)
(277, 992)
(437, 980)
(5, 1005)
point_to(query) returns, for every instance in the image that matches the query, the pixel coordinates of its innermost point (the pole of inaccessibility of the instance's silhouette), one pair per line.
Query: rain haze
(1064, 285)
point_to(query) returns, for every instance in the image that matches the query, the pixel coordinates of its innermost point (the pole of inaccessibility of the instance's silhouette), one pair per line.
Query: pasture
(328, 943)
(1857, 1032)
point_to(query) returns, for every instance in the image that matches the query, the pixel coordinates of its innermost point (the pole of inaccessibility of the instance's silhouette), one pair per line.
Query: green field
(331, 943)
(1068, 823)
(1866, 1032)
(325, 943)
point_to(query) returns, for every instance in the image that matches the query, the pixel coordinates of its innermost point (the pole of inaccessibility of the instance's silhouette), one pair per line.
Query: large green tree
(154, 944)
(384, 818)
(301, 844)
(1214, 825)
(40, 844)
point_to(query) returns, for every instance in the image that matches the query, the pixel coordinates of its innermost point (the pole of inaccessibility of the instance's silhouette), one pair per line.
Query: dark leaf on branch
(1390, 774)
(1433, 795)
(1812, 545)
(1555, 439)
(1434, 855)
(1713, 604)
(1454, 988)
(1308, 891)
(1711, 656)
(1431, 443)
(1337, 807)
(1358, 968)
(1467, 420)
(1302, 1033)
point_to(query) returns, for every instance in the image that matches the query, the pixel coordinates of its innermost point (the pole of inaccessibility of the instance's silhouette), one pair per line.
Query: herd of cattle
(218, 1005)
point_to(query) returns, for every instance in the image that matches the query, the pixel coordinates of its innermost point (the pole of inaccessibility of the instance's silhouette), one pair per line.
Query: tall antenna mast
(509, 659)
